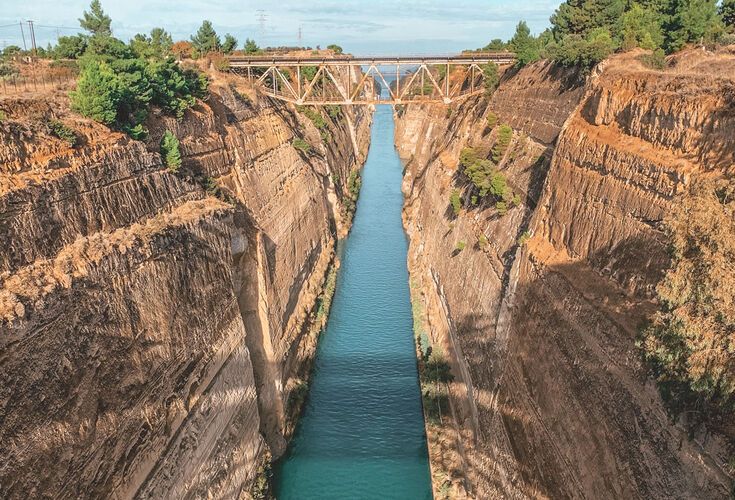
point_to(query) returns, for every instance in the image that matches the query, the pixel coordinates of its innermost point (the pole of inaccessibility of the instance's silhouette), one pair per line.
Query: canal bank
(361, 434)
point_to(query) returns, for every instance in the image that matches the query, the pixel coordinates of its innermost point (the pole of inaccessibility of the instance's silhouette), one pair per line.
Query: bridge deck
(263, 61)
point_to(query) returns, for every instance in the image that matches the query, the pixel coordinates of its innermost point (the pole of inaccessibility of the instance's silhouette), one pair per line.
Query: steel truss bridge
(364, 80)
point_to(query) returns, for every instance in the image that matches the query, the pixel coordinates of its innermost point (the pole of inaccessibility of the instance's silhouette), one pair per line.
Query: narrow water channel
(361, 435)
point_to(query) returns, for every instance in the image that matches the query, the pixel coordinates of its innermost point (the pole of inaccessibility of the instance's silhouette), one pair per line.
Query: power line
(58, 27)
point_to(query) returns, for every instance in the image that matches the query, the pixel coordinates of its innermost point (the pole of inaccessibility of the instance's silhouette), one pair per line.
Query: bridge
(346, 80)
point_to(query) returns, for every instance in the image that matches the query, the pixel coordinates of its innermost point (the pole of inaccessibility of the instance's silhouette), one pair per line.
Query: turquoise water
(361, 435)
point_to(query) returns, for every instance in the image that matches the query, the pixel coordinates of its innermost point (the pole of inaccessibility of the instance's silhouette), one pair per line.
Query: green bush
(524, 45)
(335, 48)
(501, 207)
(314, 115)
(334, 110)
(654, 60)
(505, 134)
(298, 394)
(482, 242)
(455, 201)
(170, 151)
(523, 238)
(492, 120)
(97, 95)
(302, 145)
(3, 116)
(62, 132)
(460, 246)
(491, 78)
(117, 86)
(688, 344)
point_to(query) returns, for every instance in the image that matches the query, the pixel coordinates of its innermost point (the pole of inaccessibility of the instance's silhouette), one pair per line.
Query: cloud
(360, 26)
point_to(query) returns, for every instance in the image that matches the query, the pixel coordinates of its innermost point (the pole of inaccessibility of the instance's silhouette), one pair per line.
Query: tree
(206, 39)
(491, 77)
(693, 21)
(251, 47)
(97, 93)
(495, 45)
(689, 344)
(170, 151)
(641, 27)
(727, 11)
(580, 17)
(230, 44)
(524, 45)
(335, 48)
(70, 47)
(96, 21)
(10, 51)
(157, 45)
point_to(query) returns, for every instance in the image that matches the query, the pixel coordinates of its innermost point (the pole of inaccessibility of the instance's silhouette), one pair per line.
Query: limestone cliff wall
(550, 398)
(149, 320)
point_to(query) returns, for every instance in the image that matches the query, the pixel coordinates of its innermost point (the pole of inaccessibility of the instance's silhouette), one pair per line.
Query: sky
(361, 27)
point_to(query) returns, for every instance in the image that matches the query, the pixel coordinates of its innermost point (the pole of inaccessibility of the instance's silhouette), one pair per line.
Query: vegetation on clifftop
(584, 32)
(119, 82)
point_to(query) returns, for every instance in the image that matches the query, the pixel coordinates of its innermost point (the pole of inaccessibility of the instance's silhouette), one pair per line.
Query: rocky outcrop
(540, 312)
(149, 320)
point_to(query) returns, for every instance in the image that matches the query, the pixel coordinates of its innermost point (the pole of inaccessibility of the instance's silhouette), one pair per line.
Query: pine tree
(524, 45)
(251, 47)
(97, 94)
(727, 11)
(206, 39)
(693, 21)
(230, 44)
(96, 21)
(170, 151)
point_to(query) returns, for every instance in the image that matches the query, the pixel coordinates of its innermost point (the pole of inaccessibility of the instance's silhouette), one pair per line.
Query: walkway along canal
(361, 435)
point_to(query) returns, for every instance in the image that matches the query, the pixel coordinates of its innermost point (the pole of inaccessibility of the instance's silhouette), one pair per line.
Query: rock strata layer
(149, 320)
(538, 314)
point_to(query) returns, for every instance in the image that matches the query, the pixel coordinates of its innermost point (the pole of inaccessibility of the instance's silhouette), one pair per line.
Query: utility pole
(23, 35)
(33, 36)
(262, 18)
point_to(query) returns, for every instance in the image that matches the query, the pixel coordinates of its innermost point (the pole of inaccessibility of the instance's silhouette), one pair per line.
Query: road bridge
(347, 80)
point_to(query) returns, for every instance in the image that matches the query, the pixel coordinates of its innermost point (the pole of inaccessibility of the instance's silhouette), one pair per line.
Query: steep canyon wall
(150, 322)
(539, 312)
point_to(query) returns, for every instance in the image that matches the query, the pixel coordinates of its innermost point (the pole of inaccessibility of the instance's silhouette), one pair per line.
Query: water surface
(361, 435)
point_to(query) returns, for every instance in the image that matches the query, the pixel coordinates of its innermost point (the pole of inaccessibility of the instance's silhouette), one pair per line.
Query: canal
(361, 435)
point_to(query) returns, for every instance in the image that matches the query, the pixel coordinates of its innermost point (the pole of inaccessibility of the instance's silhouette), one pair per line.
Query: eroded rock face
(551, 399)
(147, 327)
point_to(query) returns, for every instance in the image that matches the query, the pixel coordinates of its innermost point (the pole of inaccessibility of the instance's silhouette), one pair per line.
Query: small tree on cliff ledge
(691, 341)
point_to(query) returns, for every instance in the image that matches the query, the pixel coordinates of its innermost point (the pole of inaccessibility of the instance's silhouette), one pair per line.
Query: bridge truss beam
(347, 81)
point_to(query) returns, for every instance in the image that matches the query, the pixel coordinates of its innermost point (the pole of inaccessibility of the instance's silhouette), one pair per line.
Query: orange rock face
(147, 328)
(540, 320)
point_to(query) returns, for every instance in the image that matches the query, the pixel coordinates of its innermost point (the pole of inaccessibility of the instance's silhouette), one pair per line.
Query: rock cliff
(150, 322)
(538, 314)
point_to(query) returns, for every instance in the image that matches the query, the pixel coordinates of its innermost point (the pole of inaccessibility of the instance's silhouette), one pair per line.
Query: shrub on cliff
(61, 131)
(491, 78)
(97, 95)
(505, 134)
(689, 344)
(301, 145)
(170, 152)
(491, 120)
(455, 201)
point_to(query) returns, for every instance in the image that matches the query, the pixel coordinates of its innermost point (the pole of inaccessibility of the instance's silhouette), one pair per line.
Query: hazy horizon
(378, 27)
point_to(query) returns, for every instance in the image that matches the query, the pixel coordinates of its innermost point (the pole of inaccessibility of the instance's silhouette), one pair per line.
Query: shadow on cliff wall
(574, 399)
